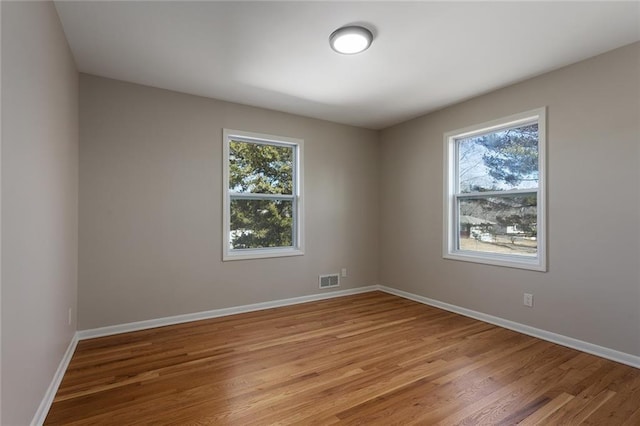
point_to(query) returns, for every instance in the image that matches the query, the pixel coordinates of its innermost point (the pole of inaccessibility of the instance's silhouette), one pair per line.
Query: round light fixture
(350, 40)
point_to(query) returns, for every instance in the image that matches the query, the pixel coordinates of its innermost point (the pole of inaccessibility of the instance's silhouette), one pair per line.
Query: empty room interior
(257, 213)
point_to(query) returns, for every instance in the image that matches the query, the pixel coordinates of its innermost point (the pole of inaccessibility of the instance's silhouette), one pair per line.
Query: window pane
(261, 224)
(498, 161)
(260, 169)
(505, 225)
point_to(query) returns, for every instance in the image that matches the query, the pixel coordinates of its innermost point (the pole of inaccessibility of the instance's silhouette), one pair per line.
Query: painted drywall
(151, 195)
(39, 203)
(591, 291)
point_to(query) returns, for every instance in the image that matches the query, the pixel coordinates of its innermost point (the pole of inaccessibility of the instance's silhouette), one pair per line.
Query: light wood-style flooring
(371, 359)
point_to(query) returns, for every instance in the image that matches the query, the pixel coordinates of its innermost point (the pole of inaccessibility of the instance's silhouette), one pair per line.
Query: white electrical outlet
(69, 317)
(344, 272)
(528, 300)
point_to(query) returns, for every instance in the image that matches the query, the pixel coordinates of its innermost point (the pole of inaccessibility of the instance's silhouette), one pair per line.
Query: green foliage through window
(262, 195)
(261, 224)
(259, 168)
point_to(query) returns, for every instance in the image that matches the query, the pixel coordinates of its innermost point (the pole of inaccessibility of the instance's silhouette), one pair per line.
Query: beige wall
(39, 203)
(150, 205)
(591, 291)
(150, 201)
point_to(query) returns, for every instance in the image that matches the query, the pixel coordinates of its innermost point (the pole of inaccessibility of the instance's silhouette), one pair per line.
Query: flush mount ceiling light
(350, 40)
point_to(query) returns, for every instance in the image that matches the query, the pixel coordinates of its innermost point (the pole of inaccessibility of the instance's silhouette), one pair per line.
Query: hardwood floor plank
(540, 415)
(367, 359)
(618, 410)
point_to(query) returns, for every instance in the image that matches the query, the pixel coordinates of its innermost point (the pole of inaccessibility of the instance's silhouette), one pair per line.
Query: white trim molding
(296, 198)
(45, 404)
(570, 342)
(215, 313)
(453, 196)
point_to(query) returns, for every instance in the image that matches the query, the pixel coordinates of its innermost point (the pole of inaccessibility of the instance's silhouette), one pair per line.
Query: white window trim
(539, 263)
(298, 227)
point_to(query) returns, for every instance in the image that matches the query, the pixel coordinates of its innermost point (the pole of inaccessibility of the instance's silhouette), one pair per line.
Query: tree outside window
(495, 192)
(262, 194)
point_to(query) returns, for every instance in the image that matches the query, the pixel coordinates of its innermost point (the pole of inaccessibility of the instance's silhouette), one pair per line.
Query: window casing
(262, 196)
(494, 206)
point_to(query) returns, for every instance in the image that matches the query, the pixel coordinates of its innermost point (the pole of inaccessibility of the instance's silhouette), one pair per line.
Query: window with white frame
(495, 192)
(262, 187)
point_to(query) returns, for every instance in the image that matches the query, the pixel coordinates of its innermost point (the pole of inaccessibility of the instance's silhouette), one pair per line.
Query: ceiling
(276, 55)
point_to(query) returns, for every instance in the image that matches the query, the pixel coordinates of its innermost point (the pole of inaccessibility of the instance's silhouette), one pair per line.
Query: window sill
(532, 264)
(260, 254)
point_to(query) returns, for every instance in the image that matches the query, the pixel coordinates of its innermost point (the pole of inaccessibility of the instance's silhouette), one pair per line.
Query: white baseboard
(601, 351)
(45, 404)
(178, 319)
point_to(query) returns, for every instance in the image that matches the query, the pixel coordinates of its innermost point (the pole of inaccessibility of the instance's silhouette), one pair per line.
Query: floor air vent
(331, 280)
